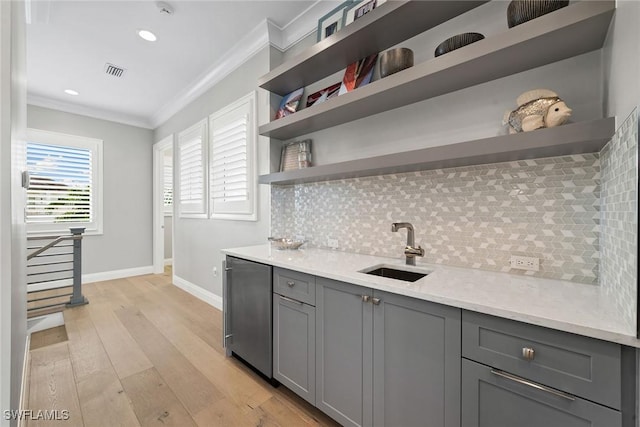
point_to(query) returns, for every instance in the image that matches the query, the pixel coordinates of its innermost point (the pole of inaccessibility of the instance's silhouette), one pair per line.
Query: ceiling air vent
(114, 70)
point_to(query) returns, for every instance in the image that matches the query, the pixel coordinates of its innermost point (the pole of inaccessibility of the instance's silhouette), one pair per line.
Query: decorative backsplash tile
(476, 216)
(619, 217)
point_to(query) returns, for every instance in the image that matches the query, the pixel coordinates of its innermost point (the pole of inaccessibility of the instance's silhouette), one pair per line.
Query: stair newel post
(77, 298)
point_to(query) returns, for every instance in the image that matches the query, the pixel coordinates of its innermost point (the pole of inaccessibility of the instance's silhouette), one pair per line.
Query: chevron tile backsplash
(619, 217)
(476, 216)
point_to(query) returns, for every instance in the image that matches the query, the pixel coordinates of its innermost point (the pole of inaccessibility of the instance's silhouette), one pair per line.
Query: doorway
(163, 205)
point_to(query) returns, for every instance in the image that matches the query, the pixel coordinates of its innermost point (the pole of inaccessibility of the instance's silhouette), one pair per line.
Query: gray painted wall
(12, 198)
(126, 241)
(198, 242)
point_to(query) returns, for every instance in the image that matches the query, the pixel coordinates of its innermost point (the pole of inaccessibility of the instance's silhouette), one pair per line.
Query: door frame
(158, 205)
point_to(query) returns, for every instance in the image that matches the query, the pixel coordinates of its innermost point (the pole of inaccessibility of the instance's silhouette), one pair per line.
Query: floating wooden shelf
(391, 23)
(571, 31)
(573, 138)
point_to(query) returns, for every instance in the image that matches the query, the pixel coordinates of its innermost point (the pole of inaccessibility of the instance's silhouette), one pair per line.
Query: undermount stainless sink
(393, 272)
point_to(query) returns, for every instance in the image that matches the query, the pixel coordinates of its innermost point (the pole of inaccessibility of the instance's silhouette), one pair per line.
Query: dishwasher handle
(227, 335)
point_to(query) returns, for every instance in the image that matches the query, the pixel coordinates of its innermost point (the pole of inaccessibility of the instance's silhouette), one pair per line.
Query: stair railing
(47, 277)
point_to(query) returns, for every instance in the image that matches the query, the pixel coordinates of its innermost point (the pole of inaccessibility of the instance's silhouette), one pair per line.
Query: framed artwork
(289, 104)
(322, 95)
(359, 9)
(332, 21)
(358, 74)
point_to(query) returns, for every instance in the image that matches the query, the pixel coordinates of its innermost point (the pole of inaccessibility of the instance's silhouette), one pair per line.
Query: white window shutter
(192, 175)
(167, 190)
(232, 162)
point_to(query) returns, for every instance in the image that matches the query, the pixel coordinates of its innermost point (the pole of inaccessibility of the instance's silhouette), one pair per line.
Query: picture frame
(358, 74)
(360, 8)
(289, 104)
(324, 94)
(333, 21)
(290, 154)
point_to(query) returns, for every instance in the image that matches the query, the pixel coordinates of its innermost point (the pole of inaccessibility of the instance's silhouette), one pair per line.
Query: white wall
(127, 238)
(12, 198)
(197, 242)
(621, 64)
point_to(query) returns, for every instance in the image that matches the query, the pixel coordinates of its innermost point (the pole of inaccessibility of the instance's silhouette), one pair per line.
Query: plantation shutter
(167, 186)
(232, 175)
(192, 162)
(61, 184)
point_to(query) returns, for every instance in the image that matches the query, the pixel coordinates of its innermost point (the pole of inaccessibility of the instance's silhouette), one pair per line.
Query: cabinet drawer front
(489, 400)
(582, 366)
(299, 286)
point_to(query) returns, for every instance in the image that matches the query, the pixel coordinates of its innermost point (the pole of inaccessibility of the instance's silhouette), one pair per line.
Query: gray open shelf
(571, 31)
(385, 26)
(573, 138)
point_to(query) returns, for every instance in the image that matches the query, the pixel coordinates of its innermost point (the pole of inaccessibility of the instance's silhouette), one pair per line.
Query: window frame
(201, 128)
(234, 213)
(95, 227)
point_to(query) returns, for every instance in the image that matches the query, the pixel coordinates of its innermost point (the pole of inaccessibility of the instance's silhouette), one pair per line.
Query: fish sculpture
(540, 108)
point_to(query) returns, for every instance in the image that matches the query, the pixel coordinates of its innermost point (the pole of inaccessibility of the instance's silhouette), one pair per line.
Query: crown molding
(304, 24)
(83, 110)
(247, 47)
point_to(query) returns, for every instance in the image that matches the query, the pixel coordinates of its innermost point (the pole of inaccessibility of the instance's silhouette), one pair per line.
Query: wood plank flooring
(145, 353)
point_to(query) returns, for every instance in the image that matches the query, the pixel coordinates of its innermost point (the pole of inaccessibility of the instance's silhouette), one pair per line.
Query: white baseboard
(168, 261)
(47, 321)
(24, 391)
(116, 274)
(195, 290)
(93, 277)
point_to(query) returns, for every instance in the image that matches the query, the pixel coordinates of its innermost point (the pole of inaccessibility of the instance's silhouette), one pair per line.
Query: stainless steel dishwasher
(247, 307)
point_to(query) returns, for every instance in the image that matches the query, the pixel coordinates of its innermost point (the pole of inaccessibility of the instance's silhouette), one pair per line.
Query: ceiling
(69, 43)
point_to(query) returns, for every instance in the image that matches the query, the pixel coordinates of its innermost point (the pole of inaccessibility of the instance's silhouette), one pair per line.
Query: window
(192, 176)
(167, 191)
(232, 164)
(65, 183)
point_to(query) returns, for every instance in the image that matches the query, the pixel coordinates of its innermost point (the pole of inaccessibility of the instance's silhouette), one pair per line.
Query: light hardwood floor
(145, 353)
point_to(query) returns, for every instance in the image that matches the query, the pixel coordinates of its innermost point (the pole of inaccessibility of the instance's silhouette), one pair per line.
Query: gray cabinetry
(294, 332)
(344, 352)
(490, 400)
(385, 359)
(294, 346)
(416, 362)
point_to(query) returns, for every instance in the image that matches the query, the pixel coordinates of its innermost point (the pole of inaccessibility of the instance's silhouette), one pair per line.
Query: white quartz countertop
(566, 306)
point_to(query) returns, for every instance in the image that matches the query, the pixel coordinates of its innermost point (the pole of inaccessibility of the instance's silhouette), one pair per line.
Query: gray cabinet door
(294, 346)
(416, 362)
(344, 352)
(489, 400)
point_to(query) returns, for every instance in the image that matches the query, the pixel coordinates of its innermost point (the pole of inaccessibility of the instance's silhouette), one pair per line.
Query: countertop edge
(618, 337)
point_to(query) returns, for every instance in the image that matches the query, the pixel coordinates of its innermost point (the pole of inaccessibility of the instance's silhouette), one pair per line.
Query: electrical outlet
(332, 243)
(215, 271)
(525, 263)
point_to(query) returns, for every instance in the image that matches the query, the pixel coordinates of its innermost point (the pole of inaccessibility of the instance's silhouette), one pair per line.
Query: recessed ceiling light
(71, 92)
(147, 35)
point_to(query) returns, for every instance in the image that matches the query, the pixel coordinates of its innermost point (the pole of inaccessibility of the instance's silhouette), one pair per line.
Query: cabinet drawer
(579, 365)
(492, 400)
(292, 284)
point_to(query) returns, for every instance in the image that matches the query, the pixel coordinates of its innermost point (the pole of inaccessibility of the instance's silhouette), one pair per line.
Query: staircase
(54, 273)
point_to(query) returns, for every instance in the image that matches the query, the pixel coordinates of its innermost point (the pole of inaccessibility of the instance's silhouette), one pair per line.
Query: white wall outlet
(215, 271)
(332, 243)
(525, 263)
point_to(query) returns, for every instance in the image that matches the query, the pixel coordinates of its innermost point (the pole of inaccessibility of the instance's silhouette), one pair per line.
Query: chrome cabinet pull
(375, 301)
(528, 353)
(291, 284)
(365, 298)
(291, 300)
(532, 384)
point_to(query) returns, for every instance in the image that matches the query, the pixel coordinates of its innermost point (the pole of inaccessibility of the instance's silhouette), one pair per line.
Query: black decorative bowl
(521, 11)
(456, 42)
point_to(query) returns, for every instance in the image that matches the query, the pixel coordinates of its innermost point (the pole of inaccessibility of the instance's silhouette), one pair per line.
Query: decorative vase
(521, 11)
(395, 60)
(456, 42)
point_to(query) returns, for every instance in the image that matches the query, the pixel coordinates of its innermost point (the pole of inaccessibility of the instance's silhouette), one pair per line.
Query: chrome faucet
(410, 251)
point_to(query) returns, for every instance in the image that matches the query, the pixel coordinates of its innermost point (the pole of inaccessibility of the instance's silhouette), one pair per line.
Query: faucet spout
(410, 251)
